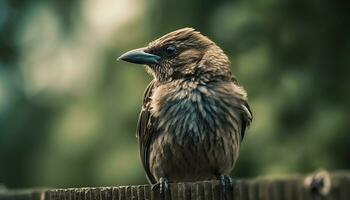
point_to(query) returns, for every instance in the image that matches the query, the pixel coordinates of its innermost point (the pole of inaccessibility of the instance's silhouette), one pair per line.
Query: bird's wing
(246, 117)
(145, 131)
(246, 113)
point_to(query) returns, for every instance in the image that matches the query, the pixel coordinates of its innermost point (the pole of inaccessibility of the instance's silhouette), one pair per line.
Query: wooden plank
(288, 188)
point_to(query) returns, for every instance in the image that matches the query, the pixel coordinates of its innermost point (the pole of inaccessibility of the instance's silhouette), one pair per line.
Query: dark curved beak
(139, 56)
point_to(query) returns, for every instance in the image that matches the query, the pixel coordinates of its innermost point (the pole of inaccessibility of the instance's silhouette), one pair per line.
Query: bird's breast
(194, 108)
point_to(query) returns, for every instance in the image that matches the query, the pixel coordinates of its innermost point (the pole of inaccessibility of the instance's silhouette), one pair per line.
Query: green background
(68, 109)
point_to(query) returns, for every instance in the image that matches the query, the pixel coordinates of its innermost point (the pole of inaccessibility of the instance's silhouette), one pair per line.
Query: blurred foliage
(68, 110)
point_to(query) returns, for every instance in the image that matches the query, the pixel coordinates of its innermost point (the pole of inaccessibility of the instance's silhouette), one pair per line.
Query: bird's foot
(226, 185)
(163, 186)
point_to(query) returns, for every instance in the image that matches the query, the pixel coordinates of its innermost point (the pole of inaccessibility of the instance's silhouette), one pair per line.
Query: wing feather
(246, 116)
(145, 130)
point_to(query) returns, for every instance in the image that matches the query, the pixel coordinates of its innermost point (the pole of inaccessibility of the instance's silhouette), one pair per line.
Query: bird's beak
(139, 56)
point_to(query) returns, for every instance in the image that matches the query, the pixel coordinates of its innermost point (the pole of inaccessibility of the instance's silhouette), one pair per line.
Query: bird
(194, 112)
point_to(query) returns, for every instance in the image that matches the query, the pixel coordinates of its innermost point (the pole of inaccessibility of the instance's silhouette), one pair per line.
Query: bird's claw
(226, 184)
(163, 188)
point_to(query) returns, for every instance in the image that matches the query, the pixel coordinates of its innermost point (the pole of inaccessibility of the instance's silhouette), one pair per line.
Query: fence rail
(320, 185)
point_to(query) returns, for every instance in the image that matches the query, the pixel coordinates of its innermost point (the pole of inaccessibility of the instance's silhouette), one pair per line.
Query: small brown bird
(194, 113)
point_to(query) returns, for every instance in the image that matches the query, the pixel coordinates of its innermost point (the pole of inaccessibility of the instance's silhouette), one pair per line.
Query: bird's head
(181, 53)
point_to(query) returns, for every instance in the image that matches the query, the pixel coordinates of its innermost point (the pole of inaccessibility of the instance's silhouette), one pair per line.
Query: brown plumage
(194, 113)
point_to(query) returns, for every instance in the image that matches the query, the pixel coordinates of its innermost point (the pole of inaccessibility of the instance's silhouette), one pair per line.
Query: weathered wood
(289, 188)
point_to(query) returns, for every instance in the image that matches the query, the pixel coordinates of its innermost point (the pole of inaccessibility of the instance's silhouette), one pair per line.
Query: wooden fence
(320, 185)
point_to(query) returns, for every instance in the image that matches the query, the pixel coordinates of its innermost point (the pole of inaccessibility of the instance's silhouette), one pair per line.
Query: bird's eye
(170, 50)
